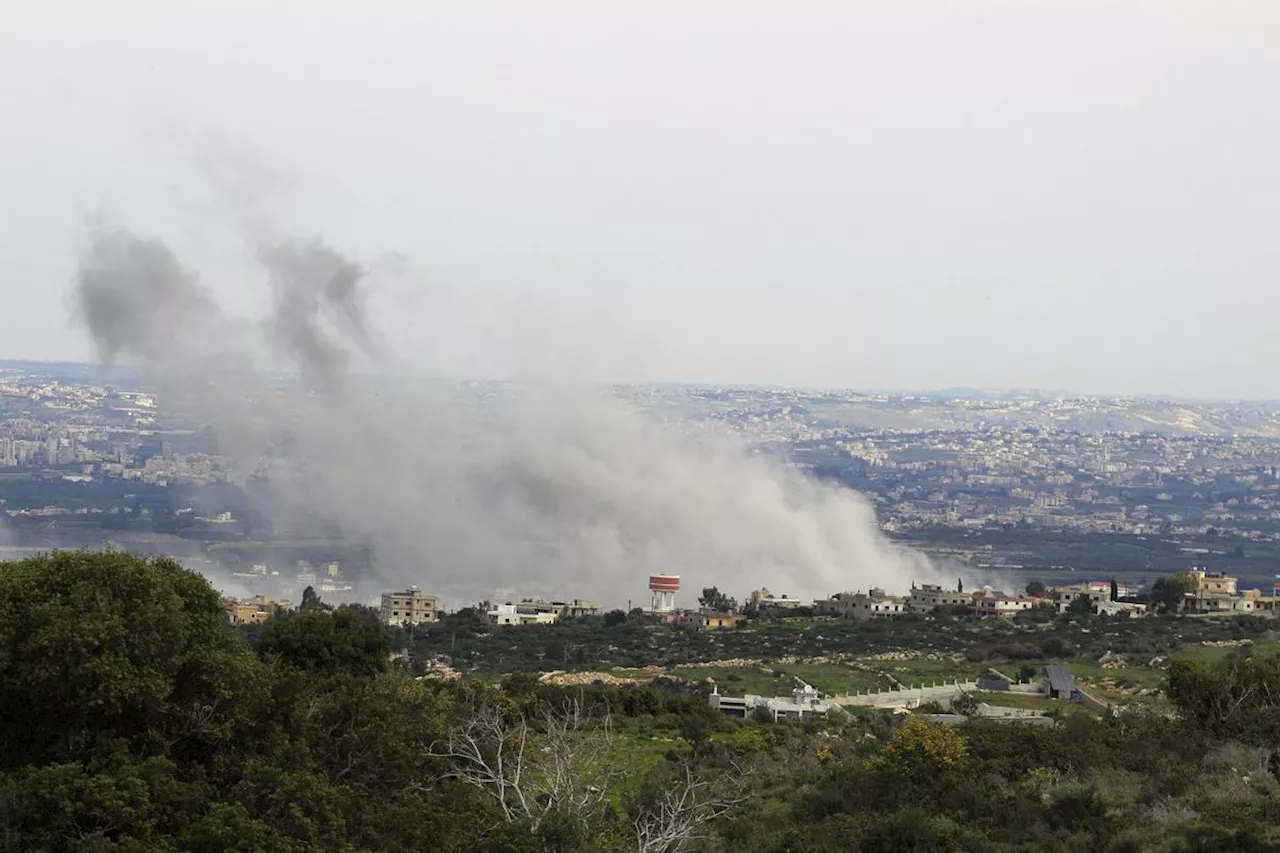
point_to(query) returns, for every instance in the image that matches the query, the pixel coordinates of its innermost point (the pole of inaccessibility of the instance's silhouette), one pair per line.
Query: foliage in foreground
(134, 719)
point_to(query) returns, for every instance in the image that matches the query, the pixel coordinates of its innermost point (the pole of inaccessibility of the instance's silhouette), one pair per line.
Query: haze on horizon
(1059, 195)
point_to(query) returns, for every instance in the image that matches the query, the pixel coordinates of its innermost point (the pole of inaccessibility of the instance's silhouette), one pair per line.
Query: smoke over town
(545, 488)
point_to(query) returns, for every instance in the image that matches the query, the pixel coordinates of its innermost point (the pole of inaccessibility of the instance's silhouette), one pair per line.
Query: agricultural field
(779, 679)
(1032, 703)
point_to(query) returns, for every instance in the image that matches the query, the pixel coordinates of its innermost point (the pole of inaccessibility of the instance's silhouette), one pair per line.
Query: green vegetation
(1031, 702)
(135, 719)
(780, 679)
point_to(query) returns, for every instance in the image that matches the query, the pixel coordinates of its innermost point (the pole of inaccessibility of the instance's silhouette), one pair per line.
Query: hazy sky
(1052, 194)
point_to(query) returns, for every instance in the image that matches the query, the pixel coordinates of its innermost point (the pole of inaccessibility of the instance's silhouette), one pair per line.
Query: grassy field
(926, 671)
(635, 756)
(834, 678)
(1140, 676)
(1030, 702)
(829, 678)
(1269, 645)
(735, 680)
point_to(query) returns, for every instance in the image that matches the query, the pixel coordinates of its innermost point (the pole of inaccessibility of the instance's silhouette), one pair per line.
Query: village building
(409, 607)
(561, 609)
(804, 701)
(762, 599)
(511, 614)
(929, 597)
(870, 605)
(1001, 604)
(254, 611)
(717, 621)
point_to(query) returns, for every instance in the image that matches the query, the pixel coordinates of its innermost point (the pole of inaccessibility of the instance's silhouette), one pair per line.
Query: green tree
(107, 646)
(713, 599)
(918, 743)
(1237, 696)
(350, 640)
(311, 601)
(1169, 594)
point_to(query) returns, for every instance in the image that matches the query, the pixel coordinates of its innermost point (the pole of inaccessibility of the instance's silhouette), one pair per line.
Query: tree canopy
(349, 640)
(97, 647)
(135, 719)
(713, 599)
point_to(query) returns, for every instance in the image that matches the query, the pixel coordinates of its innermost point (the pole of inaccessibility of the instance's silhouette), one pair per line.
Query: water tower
(663, 589)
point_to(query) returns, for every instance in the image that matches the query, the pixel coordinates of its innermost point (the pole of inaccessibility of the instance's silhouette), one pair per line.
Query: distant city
(1062, 489)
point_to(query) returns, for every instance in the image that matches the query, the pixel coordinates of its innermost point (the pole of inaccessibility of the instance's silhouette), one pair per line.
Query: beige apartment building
(873, 605)
(929, 597)
(254, 611)
(1208, 584)
(410, 607)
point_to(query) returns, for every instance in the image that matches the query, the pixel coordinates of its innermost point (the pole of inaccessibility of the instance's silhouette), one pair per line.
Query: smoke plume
(549, 489)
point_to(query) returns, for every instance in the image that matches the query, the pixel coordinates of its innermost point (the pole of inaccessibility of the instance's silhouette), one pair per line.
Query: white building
(804, 701)
(1001, 604)
(510, 614)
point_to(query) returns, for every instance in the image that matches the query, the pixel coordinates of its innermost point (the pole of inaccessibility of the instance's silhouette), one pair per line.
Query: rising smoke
(545, 488)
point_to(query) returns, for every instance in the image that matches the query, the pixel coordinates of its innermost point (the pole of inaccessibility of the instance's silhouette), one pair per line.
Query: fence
(894, 697)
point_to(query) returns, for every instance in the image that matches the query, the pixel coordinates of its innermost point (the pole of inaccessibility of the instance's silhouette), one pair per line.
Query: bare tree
(683, 813)
(561, 766)
(575, 768)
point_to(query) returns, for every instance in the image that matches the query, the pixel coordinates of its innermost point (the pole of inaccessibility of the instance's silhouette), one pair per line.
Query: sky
(1067, 195)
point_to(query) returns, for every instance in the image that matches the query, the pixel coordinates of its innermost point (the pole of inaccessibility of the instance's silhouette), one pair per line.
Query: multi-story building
(1099, 598)
(410, 607)
(870, 605)
(929, 597)
(1067, 596)
(1208, 584)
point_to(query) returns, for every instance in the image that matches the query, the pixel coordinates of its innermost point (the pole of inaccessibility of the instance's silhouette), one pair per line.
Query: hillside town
(1201, 593)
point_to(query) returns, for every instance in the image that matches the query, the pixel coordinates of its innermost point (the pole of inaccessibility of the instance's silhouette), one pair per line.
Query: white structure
(509, 614)
(1001, 604)
(663, 589)
(805, 701)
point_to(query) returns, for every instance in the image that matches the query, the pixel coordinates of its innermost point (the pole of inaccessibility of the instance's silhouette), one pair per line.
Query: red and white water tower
(663, 589)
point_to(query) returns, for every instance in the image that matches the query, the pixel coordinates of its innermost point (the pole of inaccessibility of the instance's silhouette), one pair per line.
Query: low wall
(907, 697)
(1092, 703)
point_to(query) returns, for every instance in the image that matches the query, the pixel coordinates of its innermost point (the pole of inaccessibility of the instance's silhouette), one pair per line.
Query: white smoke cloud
(546, 487)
